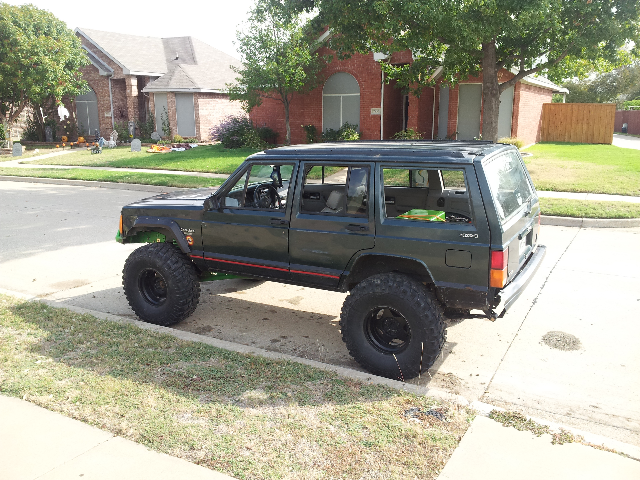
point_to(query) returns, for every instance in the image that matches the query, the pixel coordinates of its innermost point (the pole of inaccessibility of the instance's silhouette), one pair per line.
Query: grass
(573, 167)
(210, 158)
(246, 416)
(160, 179)
(562, 207)
(30, 152)
(522, 423)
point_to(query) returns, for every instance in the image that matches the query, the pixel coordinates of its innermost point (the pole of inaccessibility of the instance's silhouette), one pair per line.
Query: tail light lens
(498, 272)
(120, 225)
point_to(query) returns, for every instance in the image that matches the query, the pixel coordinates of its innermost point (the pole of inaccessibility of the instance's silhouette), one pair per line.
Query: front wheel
(161, 284)
(393, 326)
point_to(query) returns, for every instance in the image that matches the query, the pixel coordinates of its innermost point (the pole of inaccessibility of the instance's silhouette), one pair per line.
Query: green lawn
(562, 207)
(243, 415)
(30, 152)
(573, 167)
(211, 159)
(165, 180)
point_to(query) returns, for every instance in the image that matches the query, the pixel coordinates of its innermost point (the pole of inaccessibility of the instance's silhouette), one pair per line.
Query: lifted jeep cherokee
(407, 228)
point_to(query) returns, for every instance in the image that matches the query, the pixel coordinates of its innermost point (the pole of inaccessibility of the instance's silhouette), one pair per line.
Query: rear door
(517, 209)
(332, 220)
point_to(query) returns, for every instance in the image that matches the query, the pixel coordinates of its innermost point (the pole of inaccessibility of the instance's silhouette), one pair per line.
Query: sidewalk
(39, 444)
(36, 443)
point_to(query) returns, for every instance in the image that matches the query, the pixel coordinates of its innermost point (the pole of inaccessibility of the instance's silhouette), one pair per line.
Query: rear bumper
(509, 294)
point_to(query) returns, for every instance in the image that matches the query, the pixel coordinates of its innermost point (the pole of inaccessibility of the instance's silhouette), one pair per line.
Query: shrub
(631, 103)
(31, 131)
(267, 134)
(312, 133)
(408, 134)
(252, 139)
(345, 132)
(122, 128)
(231, 131)
(145, 129)
(512, 141)
(166, 126)
(178, 139)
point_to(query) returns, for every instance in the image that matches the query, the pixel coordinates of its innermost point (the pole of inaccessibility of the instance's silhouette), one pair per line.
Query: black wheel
(161, 284)
(392, 325)
(266, 196)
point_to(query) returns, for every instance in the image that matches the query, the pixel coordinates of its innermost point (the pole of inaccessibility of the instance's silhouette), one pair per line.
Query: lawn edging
(590, 222)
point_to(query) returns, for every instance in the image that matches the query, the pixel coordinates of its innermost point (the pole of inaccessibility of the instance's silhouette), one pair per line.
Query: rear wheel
(161, 284)
(393, 326)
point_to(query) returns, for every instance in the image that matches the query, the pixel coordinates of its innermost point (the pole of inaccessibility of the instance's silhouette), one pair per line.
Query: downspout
(113, 125)
(382, 108)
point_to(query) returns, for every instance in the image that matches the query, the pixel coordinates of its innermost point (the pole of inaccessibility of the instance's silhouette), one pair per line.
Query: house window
(340, 101)
(87, 113)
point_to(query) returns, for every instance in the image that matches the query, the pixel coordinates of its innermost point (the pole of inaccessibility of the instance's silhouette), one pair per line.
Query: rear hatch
(517, 209)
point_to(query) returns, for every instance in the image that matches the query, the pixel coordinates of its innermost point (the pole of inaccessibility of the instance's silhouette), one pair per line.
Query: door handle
(357, 228)
(279, 222)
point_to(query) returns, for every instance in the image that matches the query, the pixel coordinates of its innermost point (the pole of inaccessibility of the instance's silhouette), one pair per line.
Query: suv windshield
(508, 183)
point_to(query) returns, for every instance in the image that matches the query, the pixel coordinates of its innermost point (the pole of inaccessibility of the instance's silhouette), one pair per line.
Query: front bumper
(509, 294)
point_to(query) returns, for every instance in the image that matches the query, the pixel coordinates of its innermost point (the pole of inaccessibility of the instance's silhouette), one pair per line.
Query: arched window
(87, 113)
(340, 101)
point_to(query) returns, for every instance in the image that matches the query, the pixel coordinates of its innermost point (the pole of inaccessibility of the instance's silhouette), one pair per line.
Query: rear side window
(508, 183)
(335, 190)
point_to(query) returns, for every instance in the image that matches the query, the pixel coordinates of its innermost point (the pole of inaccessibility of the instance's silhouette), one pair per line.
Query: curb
(481, 408)
(87, 183)
(590, 222)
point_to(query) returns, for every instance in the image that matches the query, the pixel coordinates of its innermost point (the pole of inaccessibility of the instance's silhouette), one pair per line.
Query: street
(565, 352)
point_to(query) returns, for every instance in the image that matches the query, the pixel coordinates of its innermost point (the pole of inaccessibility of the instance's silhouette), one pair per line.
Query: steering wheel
(266, 196)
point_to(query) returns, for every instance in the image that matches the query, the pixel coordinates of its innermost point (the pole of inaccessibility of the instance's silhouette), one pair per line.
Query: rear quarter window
(509, 183)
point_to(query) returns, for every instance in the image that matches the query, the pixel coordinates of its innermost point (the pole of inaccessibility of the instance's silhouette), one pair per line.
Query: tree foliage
(41, 59)
(617, 86)
(279, 58)
(560, 38)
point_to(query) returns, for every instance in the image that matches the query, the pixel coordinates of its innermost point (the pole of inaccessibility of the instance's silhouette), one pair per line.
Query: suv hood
(190, 197)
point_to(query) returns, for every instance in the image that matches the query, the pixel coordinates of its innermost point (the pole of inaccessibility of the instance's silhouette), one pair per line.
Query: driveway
(626, 141)
(565, 352)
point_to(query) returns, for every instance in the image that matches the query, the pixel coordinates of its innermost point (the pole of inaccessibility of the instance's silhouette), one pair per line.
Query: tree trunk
(287, 140)
(490, 92)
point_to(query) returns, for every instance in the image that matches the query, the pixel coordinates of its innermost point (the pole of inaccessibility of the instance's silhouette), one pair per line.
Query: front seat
(334, 202)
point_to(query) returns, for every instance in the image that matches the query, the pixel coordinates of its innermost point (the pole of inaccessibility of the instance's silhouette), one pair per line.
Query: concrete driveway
(565, 352)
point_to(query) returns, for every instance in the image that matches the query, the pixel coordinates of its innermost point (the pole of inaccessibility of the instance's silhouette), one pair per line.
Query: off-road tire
(423, 324)
(161, 284)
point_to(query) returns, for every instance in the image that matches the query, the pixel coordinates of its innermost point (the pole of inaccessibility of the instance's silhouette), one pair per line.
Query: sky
(214, 21)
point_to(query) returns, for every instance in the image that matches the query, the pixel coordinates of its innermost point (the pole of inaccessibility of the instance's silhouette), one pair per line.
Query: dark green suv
(409, 229)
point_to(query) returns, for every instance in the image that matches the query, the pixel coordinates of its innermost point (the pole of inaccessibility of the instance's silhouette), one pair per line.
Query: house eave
(77, 30)
(144, 74)
(183, 90)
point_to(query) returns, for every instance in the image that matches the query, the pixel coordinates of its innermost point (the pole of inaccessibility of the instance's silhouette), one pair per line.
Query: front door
(247, 230)
(332, 220)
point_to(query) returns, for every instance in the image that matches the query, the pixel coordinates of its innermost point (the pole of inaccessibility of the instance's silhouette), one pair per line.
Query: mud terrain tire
(161, 284)
(391, 324)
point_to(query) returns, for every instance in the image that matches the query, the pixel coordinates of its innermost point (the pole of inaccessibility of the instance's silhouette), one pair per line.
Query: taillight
(120, 226)
(498, 272)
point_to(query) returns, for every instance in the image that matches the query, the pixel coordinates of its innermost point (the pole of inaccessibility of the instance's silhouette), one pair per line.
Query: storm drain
(561, 341)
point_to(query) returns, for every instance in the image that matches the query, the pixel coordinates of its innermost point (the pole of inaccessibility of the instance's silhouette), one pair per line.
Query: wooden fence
(578, 122)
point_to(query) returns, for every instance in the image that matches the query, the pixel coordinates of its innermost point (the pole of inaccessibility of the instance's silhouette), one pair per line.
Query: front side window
(508, 183)
(335, 190)
(426, 195)
(262, 187)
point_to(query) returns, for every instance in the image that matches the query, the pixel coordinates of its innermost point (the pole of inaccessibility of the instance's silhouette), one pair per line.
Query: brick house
(136, 78)
(354, 90)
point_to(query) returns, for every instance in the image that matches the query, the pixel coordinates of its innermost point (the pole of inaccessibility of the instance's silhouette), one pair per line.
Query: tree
(618, 86)
(561, 38)
(279, 58)
(41, 59)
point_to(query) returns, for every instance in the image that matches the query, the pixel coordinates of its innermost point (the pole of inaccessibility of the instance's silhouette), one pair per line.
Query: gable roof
(182, 63)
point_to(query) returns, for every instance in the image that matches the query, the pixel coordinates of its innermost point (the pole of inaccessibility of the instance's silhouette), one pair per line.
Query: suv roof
(456, 151)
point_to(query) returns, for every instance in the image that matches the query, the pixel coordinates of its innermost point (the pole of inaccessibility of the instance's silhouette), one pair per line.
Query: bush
(145, 129)
(122, 128)
(31, 131)
(512, 141)
(231, 131)
(408, 134)
(178, 139)
(166, 126)
(631, 103)
(312, 133)
(267, 134)
(345, 132)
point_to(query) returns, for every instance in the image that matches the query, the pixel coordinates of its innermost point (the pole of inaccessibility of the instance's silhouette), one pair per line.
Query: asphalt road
(566, 352)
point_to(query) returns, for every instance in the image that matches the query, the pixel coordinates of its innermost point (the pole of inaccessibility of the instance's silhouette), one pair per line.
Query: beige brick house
(137, 78)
